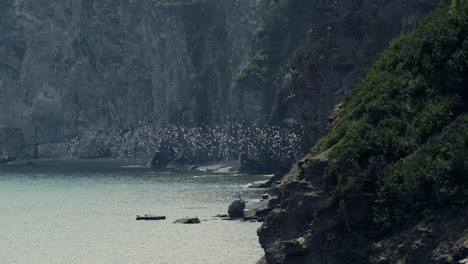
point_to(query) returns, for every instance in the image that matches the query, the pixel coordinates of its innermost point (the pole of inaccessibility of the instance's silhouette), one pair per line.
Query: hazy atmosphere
(233, 131)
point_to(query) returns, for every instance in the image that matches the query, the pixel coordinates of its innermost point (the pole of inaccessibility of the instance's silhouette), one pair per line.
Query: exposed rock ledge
(312, 226)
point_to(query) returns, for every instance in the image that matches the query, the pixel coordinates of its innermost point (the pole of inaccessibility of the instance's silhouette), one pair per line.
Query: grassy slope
(409, 116)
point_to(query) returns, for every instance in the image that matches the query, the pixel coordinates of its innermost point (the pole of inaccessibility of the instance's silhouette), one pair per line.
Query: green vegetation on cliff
(403, 131)
(282, 30)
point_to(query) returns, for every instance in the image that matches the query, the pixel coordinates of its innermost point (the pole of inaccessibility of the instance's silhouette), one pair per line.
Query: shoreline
(75, 161)
(228, 166)
(223, 167)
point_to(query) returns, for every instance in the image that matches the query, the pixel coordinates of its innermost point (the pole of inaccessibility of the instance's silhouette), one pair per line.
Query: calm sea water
(84, 212)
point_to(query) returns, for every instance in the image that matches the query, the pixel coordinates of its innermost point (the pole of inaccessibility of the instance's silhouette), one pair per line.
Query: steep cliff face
(308, 54)
(311, 225)
(75, 67)
(389, 183)
(342, 39)
(100, 78)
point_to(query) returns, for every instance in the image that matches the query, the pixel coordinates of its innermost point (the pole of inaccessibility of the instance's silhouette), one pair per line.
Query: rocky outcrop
(92, 79)
(260, 210)
(309, 54)
(95, 79)
(342, 40)
(311, 225)
(353, 200)
(87, 70)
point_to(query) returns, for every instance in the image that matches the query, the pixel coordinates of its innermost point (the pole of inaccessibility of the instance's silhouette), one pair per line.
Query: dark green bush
(415, 90)
(429, 180)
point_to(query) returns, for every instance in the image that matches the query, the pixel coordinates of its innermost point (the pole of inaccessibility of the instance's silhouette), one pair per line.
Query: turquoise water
(84, 212)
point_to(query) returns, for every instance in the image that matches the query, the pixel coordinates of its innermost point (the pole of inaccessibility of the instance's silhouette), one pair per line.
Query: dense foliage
(409, 116)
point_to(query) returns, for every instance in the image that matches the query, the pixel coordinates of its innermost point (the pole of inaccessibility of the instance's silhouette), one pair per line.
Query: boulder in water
(236, 209)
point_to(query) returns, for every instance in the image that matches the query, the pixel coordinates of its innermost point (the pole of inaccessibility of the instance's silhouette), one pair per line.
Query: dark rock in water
(221, 215)
(187, 221)
(236, 209)
(150, 217)
(231, 218)
(265, 196)
(250, 218)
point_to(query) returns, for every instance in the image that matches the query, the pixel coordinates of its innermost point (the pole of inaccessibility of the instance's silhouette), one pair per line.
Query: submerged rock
(194, 220)
(221, 215)
(236, 209)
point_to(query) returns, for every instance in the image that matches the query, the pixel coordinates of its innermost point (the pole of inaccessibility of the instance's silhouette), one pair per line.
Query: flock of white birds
(230, 141)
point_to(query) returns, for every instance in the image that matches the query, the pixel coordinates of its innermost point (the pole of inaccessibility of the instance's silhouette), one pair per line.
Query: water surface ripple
(85, 213)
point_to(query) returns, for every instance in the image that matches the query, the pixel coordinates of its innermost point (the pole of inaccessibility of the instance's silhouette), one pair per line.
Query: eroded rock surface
(311, 225)
(101, 76)
(91, 69)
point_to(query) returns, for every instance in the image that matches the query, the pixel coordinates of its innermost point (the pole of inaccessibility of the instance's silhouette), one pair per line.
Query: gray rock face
(90, 79)
(311, 226)
(11, 141)
(343, 39)
(236, 209)
(70, 68)
(259, 210)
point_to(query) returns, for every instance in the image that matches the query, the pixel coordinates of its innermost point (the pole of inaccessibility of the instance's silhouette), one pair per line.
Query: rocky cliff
(326, 47)
(389, 183)
(96, 79)
(86, 69)
(308, 54)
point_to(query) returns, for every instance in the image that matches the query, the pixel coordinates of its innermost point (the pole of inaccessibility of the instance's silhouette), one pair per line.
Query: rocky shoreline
(309, 225)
